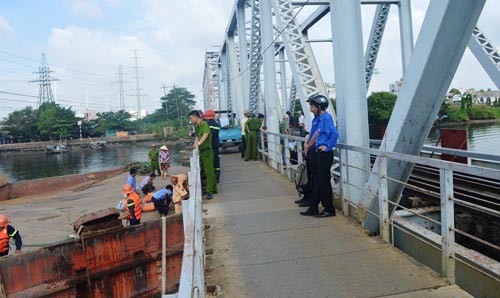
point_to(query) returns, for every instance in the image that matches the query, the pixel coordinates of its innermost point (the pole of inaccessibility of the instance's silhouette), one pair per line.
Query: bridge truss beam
(448, 24)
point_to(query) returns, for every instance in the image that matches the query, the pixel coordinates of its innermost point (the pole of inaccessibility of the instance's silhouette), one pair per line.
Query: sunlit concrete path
(259, 246)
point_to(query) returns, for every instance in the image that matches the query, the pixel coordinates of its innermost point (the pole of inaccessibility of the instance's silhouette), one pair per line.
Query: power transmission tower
(121, 89)
(44, 78)
(137, 89)
(164, 88)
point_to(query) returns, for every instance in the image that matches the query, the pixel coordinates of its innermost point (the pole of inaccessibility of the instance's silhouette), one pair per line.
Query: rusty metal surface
(122, 262)
(97, 218)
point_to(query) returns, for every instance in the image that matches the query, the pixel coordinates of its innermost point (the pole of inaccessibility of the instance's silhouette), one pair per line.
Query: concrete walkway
(259, 246)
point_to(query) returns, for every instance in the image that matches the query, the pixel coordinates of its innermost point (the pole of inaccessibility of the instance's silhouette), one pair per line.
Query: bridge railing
(192, 281)
(276, 149)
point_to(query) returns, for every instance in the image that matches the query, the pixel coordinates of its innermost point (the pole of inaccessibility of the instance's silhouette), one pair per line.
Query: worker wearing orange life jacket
(6, 232)
(133, 208)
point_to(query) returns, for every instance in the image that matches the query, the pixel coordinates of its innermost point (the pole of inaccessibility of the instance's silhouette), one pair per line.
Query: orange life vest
(4, 241)
(137, 205)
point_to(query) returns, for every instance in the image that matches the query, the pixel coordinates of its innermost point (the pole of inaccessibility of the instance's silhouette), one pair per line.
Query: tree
(55, 121)
(21, 125)
(380, 106)
(119, 120)
(177, 104)
(466, 101)
(455, 91)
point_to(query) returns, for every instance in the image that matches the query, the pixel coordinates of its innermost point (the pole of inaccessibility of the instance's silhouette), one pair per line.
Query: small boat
(101, 144)
(53, 149)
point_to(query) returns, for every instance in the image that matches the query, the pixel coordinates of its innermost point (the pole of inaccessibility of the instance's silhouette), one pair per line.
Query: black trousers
(322, 188)
(311, 168)
(148, 188)
(243, 145)
(161, 206)
(216, 162)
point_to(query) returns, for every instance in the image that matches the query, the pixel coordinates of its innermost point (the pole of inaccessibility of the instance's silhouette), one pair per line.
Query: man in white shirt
(301, 123)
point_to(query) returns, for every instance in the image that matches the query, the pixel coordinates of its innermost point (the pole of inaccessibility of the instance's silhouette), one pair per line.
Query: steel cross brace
(255, 58)
(378, 26)
(486, 54)
(305, 71)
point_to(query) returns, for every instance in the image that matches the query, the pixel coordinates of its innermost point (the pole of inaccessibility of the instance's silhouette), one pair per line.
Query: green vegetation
(54, 122)
(476, 112)
(380, 106)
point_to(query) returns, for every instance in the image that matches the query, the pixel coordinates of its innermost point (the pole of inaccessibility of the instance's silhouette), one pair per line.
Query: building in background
(396, 86)
(89, 115)
(144, 113)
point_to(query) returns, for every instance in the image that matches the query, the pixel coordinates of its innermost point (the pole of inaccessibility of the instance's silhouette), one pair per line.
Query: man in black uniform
(214, 129)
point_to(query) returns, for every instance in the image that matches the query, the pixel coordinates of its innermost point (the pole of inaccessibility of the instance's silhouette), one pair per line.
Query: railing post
(299, 153)
(286, 162)
(163, 255)
(447, 225)
(383, 205)
(344, 190)
(261, 140)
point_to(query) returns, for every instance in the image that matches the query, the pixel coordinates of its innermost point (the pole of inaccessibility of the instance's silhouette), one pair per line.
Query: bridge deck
(262, 247)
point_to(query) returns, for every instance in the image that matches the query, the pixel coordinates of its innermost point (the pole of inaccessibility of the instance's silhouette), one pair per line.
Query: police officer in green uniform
(204, 144)
(252, 126)
(153, 158)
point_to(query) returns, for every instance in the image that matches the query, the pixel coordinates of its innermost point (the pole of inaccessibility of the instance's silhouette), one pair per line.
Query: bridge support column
(270, 90)
(236, 80)
(445, 32)
(284, 97)
(352, 111)
(406, 32)
(244, 72)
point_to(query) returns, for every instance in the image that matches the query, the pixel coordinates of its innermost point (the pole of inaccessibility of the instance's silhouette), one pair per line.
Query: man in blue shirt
(322, 142)
(162, 198)
(131, 179)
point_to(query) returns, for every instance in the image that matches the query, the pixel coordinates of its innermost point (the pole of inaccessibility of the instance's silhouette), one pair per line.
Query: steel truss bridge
(264, 41)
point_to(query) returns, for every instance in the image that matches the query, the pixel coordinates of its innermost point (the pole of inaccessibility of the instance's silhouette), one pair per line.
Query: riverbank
(84, 143)
(485, 121)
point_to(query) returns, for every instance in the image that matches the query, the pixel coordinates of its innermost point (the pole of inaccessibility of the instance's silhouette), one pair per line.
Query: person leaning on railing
(326, 140)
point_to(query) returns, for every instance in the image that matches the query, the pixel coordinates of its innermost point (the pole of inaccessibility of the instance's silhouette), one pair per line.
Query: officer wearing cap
(214, 126)
(204, 144)
(325, 139)
(252, 126)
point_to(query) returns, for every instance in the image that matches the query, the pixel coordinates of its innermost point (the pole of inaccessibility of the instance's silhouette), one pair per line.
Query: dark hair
(152, 175)
(195, 113)
(261, 116)
(169, 187)
(288, 113)
(133, 171)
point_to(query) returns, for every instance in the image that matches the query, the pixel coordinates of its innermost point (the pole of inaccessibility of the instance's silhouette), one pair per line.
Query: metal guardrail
(192, 280)
(276, 153)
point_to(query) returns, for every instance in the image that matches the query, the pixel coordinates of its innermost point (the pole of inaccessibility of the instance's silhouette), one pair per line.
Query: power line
(55, 66)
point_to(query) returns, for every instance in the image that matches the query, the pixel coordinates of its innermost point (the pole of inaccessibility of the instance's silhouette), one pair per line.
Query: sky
(85, 42)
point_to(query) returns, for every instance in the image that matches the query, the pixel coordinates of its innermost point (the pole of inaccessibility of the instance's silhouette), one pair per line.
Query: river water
(34, 165)
(484, 138)
(481, 137)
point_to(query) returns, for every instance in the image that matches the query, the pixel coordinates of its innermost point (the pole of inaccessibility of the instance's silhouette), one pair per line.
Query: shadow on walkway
(259, 246)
